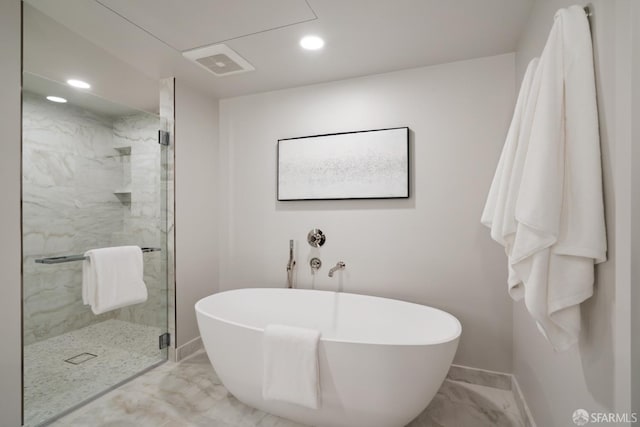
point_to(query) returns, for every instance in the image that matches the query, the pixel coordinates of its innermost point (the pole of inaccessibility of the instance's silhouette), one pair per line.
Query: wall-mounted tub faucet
(340, 265)
(290, 265)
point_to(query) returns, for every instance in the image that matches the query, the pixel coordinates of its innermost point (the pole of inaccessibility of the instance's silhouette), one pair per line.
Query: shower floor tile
(190, 394)
(53, 385)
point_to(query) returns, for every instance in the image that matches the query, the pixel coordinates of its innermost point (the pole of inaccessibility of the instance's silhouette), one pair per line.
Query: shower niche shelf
(122, 191)
(123, 150)
(124, 195)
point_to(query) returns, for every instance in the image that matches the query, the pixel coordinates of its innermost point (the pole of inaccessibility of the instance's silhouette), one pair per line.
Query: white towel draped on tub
(557, 184)
(113, 278)
(290, 373)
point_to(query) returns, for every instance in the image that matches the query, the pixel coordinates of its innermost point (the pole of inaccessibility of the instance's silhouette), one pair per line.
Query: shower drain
(80, 358)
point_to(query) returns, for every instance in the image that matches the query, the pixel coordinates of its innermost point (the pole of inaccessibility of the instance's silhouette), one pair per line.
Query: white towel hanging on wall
(499, 210)
(558, 212)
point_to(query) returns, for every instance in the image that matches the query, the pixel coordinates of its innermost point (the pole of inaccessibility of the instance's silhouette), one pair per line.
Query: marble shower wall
(76, 174)
(68, 207)
(142, 221)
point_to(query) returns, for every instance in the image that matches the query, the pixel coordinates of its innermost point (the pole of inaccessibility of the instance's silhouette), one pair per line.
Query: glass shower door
(92, 178)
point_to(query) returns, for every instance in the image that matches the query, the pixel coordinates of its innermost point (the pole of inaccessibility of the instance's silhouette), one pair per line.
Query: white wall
(196, 181)
(595, 374)
(10, 252)
(429, 249)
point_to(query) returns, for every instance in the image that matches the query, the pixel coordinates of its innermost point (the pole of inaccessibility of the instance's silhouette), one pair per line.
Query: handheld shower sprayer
(290, 266)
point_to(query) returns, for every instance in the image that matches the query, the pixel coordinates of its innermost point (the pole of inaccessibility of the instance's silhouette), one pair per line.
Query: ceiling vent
(219, 59)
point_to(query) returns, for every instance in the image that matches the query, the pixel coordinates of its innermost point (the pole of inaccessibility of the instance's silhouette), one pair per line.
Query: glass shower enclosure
(94, 176)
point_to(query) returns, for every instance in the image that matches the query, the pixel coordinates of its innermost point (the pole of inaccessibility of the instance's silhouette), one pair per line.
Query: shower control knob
(315, 264)
(316, 238)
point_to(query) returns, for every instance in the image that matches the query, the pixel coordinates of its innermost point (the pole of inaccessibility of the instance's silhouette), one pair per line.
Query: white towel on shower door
(113, 278)
(290, 371)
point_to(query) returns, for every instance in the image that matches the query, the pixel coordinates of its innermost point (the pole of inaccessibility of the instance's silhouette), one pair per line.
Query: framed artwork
(370, 164)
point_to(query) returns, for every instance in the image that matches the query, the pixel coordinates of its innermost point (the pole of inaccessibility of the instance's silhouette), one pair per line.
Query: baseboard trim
(477, 376)
(494, 379)
(189, 348)
(522, 404)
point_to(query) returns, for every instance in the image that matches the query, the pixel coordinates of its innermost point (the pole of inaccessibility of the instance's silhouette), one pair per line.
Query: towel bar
(70, 258)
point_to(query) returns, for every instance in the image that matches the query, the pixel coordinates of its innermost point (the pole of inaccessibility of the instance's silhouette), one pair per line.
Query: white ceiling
(57, 54)
(187, 25)
(42, 87)
(362, 36)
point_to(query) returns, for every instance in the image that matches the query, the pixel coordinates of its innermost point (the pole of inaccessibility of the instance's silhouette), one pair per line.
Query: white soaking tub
(381, 361)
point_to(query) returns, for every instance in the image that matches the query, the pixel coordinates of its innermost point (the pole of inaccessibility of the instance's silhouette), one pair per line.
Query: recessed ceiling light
(78, 83)
(56, 99)
(311, 42)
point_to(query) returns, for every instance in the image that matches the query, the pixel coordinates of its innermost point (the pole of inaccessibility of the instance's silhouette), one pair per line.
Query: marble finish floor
(189, 394)
(52, 385)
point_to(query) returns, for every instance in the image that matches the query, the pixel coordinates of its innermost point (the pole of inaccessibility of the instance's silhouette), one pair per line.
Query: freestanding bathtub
(381, 361)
